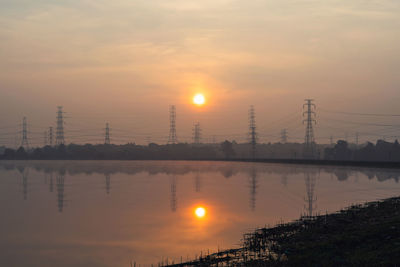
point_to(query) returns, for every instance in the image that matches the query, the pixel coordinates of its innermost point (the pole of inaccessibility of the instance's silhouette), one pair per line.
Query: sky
(125, 61)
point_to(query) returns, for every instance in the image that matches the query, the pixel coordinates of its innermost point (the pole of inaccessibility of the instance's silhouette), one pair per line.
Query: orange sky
(125, 62)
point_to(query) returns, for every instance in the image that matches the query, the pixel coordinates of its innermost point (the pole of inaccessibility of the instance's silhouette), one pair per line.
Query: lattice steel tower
(252, 131)
(196, 133)
(107, 137)
(51, 136)
(309, 142)
(45, 135)
(172, 139)
(284, 136)
(60, 127)
(24, 142)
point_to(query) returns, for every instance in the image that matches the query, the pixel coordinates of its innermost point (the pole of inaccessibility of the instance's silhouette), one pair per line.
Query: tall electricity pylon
(284, 136)
(252, 131)
(45, 138)
(60, 127)
(309, 142)
(51, 136)
(24, 142)
(107, 137)
(356, 138)
(196, 133)
(172, 139)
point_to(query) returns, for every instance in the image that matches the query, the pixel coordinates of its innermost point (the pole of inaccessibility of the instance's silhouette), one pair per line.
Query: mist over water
(107, 213)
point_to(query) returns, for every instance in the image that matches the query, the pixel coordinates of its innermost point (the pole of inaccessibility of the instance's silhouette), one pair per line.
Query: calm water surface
(107, 213)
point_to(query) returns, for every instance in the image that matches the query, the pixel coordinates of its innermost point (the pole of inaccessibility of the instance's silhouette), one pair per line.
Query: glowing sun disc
(199, 99)
(200, 212)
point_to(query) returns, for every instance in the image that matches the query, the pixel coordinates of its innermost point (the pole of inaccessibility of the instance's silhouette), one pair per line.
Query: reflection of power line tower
(51, 184)
(24, 142)
(197, 182)
(284, 179)
(196, 133)
(173, 194)
(253, 189)
(51, 136)
(310, 198)
(60, 191)
(309, 142)
(172, 139)
(107, 136)
(25, 173)
(284, 136)
(252, 131)
(60, 127)
(108, 183)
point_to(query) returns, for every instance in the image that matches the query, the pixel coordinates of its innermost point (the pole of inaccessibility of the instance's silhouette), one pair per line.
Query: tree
(227, 149)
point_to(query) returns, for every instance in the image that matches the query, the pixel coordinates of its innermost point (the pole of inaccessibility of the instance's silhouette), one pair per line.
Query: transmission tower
(51, 136)
(284, 136)
(357, 138)
(172, 139)
(24, 142)
(60, 127)
(309, 142)
(196, 133)
(252, 131)
(45, 138)
(107, 137)
(331, 140)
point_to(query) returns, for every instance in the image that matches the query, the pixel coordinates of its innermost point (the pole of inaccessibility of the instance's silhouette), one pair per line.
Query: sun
(199, 99)
(200, 212)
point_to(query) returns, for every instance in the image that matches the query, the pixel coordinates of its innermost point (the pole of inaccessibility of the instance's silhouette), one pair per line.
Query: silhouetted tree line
(381, 151)
(342, 151)
(116, 152)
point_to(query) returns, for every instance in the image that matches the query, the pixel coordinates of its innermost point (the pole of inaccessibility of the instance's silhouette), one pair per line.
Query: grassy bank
(361, 235)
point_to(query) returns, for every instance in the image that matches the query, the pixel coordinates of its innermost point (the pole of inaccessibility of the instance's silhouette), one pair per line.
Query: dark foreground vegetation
(361, 235)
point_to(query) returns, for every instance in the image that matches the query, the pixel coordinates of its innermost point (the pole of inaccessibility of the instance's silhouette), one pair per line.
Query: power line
(361, 114)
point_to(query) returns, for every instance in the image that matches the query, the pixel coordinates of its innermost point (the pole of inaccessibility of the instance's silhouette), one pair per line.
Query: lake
(109, 213)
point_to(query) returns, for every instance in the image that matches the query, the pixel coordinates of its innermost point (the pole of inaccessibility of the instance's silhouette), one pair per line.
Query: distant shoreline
(319, 162)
